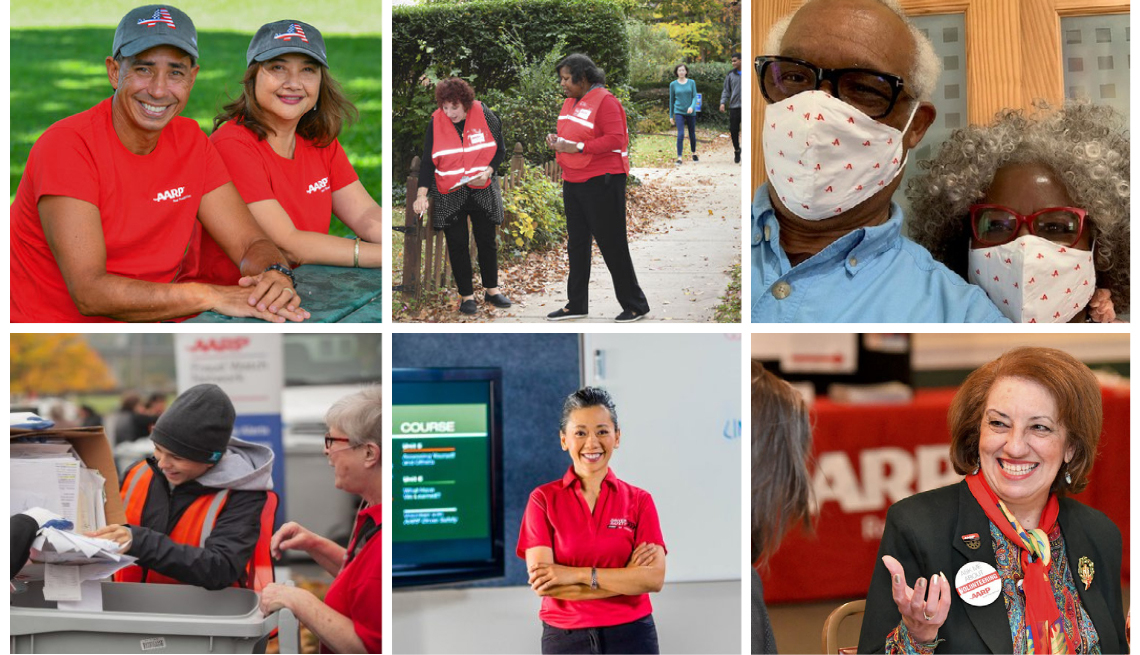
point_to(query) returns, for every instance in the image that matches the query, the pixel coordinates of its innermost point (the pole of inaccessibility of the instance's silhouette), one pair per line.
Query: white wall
(694, 617)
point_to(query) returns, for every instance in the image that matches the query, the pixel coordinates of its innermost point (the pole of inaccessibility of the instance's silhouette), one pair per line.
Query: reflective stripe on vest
(194, 527)
(455, 156)
(576, 124)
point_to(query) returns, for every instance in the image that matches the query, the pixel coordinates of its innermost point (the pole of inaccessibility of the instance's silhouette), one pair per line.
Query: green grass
(329, 16)
(59, 72)
(729, 309)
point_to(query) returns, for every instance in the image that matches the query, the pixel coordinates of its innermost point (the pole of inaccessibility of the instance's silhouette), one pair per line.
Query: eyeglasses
(872, 92)
(994, 225)
(330, 440)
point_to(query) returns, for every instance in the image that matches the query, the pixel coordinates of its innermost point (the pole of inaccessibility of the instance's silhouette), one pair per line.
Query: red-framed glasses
(994, 225)
(330, 440)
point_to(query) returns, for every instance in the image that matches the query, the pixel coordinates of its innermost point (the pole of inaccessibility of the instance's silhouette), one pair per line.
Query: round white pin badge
(978, 583)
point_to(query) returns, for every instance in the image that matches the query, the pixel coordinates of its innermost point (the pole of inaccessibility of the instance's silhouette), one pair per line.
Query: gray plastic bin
(148, 618)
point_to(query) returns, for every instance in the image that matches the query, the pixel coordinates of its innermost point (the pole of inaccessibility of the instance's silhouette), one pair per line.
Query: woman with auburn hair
(781, 487)
(279, 142)
(1023, 430)
(463, 145)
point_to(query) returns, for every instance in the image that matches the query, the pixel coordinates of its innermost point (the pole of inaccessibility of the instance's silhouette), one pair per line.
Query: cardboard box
(93, 448)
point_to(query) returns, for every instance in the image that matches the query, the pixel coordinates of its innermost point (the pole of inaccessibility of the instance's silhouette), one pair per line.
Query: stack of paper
(69, 560)
(47, 473)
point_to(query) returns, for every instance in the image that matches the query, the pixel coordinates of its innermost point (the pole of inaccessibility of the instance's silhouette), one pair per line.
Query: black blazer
(924, 533)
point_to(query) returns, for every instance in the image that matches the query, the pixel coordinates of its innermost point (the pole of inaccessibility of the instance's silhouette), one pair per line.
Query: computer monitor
(447, 470)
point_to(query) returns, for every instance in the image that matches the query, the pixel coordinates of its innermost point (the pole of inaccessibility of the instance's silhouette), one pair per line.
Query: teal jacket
(682, 97)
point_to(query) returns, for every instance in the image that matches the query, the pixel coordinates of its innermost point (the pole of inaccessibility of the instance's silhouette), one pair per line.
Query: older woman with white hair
(348, 620)
(1034, 209)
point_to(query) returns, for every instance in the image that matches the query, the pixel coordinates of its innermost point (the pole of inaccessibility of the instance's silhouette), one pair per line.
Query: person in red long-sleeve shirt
(592, 143)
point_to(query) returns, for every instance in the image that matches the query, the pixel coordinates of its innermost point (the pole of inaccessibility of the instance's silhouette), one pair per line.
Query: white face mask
(1033, 280)
(825, 156)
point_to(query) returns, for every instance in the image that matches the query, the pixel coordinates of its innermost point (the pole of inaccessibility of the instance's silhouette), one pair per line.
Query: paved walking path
(682, 267)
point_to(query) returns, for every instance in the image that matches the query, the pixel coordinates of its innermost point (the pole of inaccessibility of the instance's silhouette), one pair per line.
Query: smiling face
(1022, 444)
(288, 86)
(682, 72)
(571, 88)
(454, 111)
(736, 63)
(151, 88)
(178, 470)
(590, 437)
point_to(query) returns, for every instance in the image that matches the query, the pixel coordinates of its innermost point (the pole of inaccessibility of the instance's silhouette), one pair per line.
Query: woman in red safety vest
(463, 145)
(593, 150)
(199, 511)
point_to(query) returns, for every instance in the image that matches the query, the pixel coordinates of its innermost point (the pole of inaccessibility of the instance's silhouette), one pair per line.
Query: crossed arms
(644, 573)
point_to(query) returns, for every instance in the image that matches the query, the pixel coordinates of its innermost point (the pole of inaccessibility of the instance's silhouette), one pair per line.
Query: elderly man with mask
(846, 90)
(110, 199)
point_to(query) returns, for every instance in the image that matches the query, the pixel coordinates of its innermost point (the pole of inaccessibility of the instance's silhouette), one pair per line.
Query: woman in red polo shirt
(279, 142)
(348, 620)
(592, 542)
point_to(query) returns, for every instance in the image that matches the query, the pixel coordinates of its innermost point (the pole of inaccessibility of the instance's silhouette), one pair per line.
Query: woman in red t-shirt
(279, 142)
(592, 542)
(348, 620)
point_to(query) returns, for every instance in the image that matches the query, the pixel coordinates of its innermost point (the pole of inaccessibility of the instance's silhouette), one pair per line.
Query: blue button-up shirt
(869, 275)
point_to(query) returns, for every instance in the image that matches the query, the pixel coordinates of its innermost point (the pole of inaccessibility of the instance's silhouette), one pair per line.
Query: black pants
(734, 127)
(638, 636)
(595, 210)
(459, 249)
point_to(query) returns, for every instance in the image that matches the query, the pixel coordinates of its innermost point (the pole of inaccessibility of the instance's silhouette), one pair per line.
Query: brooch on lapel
(1086, 571)
(973, 541)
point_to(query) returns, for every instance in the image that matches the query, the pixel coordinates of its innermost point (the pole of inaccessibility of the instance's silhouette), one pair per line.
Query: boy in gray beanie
(196, 509)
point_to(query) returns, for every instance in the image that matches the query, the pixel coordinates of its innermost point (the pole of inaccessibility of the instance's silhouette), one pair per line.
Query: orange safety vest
(194, 528)
(576, 123)
(456, 158)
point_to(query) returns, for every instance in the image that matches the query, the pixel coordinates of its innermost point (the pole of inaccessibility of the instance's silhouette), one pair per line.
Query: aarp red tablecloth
(869, 456)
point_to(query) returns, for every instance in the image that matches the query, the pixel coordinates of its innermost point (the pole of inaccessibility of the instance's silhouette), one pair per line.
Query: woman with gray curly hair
(348, 620)
(1034, 209)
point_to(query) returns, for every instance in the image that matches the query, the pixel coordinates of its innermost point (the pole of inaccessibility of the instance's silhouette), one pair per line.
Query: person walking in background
(683, 110)
(593, 150)
(463, 145)
(730, 97)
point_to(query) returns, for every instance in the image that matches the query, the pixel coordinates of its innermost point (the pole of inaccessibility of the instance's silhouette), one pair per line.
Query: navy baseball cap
(154, 25)
(284, 36)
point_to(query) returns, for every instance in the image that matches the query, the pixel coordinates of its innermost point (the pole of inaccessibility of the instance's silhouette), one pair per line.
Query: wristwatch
(282, 270)
(581, 146)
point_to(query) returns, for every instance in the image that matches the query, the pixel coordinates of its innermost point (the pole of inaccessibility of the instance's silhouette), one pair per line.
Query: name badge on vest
(583, 113)
(978, 583)
(478, 137)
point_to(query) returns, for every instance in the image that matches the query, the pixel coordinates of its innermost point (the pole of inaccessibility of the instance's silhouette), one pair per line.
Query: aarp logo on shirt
(177, 194)
(319, 186)
(621, 524)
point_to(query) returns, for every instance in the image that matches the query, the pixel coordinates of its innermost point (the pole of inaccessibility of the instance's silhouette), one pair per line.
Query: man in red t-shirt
(110, 199)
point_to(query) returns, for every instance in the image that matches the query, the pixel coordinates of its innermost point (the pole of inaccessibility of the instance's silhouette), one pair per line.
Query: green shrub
(655, 120)
(529, 109)
(536, 217)
(474, 40)
(656, 52)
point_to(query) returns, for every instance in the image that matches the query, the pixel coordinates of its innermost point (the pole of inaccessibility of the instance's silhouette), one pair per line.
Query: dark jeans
(734, 127)
(459, 249)
(638, 636)
(595, 210)
(682, 120)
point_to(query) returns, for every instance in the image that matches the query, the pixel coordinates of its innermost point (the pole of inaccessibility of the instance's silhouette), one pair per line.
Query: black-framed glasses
(872, 92)
(994, 225)
(330, 440)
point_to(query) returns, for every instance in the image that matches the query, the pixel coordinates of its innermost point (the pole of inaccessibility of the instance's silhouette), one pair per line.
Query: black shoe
(468, 306)
(695, 157)
(736, 159)
(498, 300)
(680, 161)
(563, 315)
(628, 316)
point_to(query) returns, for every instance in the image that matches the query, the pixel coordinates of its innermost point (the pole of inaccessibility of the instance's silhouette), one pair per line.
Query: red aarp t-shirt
(557, 517)
(302, 185)
(358, 590)
(148, 205)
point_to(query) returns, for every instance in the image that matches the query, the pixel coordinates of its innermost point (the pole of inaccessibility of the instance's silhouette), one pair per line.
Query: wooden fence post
(410, 283)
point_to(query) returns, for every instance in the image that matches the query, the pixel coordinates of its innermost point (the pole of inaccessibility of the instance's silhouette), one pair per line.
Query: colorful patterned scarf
(1040, 605)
